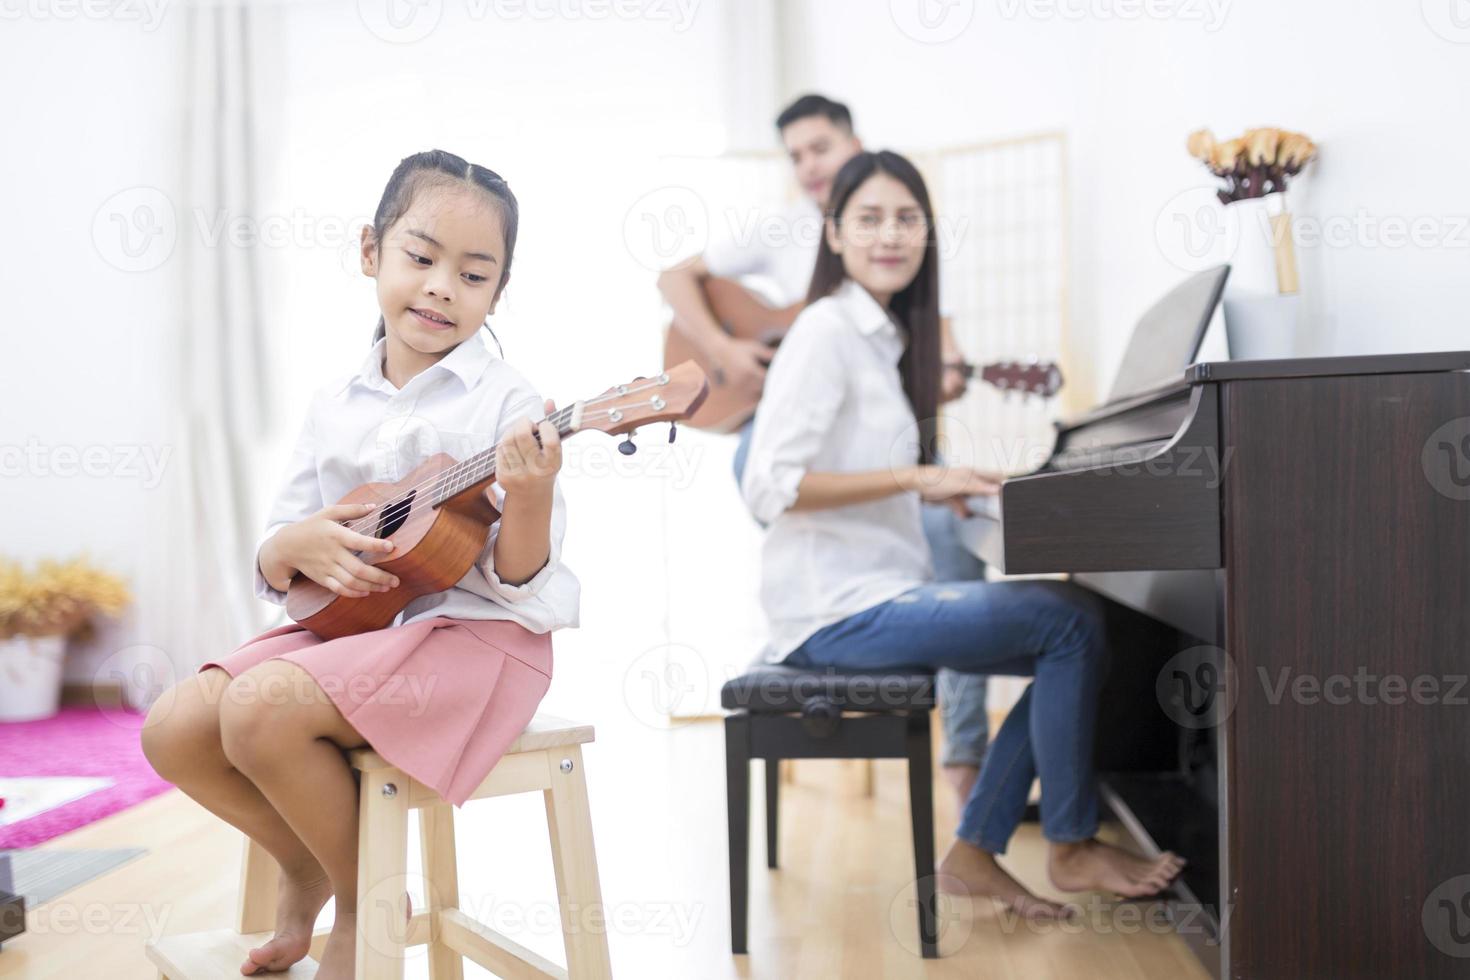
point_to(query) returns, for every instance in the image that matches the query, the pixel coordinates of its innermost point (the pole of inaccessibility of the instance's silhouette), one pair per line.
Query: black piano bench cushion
(778, 689)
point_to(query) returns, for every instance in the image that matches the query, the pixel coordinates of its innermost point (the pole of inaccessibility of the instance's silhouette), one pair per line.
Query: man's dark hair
(815, 105)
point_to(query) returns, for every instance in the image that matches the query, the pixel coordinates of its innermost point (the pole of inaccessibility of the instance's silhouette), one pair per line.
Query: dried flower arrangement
(1257, 163)
(58, 599)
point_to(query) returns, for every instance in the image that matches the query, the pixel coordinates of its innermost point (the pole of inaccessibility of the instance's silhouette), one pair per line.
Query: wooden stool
(548, 757)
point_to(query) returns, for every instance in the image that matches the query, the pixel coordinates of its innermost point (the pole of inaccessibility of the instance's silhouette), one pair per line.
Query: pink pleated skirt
(440, 698)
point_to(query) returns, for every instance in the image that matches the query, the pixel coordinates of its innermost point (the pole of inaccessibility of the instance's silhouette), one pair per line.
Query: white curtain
(197, 600)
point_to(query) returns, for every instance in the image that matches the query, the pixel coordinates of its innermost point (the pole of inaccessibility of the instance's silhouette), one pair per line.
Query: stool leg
(921, 811)
(773, 810)
(259, 882)
(737, 805)
(382, 874)
(441, 886)
(569, 821)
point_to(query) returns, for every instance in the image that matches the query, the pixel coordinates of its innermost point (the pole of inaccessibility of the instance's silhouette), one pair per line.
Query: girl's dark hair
(916, 306)
(440, 168)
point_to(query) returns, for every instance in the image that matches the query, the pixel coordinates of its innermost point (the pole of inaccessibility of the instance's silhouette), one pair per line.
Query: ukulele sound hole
(394, 516)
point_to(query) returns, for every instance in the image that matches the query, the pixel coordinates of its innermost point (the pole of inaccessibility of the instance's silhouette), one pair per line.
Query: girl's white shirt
(834, 403)
(361, 429)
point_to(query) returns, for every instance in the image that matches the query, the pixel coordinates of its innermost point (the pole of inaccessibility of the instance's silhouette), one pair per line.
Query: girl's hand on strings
(524, 465)
(325, 550)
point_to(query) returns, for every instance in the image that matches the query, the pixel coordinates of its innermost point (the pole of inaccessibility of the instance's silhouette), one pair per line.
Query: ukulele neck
(471, 476)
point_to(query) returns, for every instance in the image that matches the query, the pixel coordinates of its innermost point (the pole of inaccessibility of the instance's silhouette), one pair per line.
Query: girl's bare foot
(297, 904)
(968, 870)
(1091, 865)
(340, 954)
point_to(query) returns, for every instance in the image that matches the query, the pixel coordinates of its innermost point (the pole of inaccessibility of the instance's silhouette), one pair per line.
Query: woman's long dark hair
(440, 168)
(916, 306)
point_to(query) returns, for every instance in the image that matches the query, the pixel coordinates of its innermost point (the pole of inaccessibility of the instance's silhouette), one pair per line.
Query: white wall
(1380, 86)
(575, 111)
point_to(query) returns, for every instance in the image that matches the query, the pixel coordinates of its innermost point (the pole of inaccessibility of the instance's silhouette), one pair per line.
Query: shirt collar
(864, 311)
(467, 362)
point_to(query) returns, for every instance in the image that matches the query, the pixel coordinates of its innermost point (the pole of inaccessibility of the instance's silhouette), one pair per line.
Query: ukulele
(439, 515)
(745, 316)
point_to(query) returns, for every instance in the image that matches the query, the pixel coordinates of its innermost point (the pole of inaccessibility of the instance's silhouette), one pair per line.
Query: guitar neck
(472, 475)
(1032, 377)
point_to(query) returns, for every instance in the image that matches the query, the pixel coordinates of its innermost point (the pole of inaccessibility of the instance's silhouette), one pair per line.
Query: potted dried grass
(1261, 301)
(39, 611)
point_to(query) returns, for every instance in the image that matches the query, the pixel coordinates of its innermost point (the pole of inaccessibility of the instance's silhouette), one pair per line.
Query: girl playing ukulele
(259, 736)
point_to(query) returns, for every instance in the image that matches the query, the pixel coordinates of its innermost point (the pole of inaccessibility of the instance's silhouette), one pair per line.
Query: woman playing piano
(840, 461)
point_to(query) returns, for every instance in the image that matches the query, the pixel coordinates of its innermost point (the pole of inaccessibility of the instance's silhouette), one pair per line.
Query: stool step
(214, 954)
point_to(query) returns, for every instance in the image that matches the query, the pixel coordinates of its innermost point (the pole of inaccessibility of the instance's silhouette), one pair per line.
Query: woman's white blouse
(361, 429)
(834, 402)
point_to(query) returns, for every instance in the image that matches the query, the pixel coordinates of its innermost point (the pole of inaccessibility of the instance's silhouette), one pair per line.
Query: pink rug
(77, 742)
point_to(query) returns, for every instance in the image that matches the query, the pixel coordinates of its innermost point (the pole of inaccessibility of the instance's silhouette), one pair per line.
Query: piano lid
(1323, 367)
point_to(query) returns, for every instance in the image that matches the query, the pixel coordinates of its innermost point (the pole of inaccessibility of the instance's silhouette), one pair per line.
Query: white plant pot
(1260, 322)
(30, 677)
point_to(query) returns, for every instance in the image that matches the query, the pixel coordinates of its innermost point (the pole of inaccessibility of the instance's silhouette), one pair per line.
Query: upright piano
(1284, 550)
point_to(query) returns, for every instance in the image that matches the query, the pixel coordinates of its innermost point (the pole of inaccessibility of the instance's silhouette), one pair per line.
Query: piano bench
(781, 712)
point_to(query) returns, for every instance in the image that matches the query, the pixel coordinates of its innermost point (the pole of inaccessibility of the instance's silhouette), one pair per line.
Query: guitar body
(745, 316)
(433, 549)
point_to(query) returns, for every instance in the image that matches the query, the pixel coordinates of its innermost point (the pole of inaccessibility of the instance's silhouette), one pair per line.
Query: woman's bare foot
(1092, 866)
(962, 778)
(297, 904)
(968, 870)
(339, 956)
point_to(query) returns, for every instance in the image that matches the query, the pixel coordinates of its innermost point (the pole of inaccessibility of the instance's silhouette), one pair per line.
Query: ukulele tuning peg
(673, 430)
(626, 447)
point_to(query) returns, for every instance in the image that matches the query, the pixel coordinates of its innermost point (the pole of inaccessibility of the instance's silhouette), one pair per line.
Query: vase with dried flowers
(39, 612)
(1262, 296)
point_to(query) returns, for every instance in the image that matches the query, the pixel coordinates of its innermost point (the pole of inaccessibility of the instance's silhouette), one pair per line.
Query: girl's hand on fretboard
(522, 465)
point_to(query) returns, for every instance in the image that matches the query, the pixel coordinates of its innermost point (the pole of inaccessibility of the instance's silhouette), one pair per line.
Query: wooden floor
(841, 904)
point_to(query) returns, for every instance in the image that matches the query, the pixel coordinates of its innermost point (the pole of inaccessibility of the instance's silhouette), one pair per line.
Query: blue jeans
(1049, 630)
(962, 696)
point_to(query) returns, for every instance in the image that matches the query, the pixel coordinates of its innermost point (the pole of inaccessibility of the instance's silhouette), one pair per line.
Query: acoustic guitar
(745, 316)
(439, 515)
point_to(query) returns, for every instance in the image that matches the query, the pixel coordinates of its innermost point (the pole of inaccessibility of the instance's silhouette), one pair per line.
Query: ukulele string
(449, 476)
(439, 481)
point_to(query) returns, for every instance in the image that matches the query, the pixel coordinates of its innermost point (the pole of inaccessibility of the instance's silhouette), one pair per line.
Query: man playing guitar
(818, 137)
